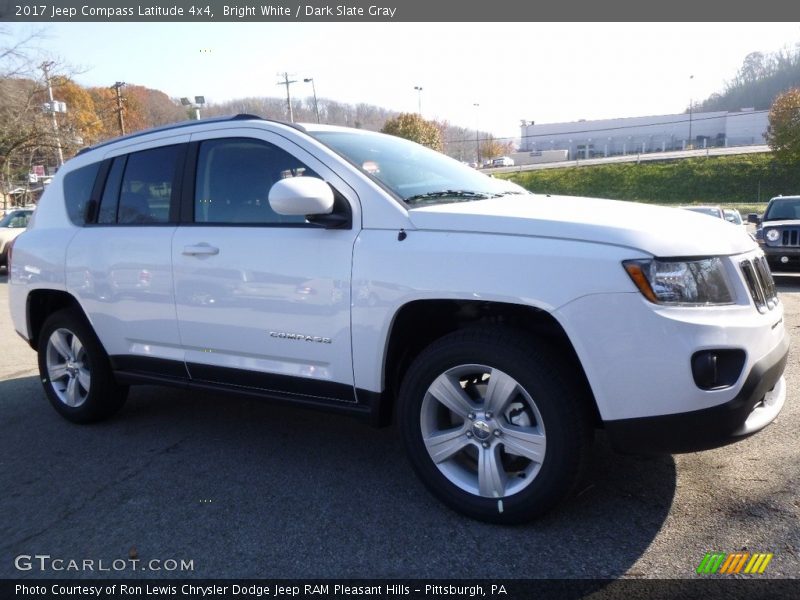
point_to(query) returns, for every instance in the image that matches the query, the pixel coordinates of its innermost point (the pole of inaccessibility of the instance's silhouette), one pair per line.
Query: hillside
(743, 179)
(759, 80)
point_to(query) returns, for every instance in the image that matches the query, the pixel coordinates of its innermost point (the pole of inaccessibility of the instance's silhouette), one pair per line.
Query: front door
(263, 300)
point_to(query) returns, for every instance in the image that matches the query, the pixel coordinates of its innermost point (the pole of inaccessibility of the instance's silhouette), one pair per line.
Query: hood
(656, 230)
(780, 223)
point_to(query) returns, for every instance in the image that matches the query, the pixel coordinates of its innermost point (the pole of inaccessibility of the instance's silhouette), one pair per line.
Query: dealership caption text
(210, 591)
(235, 11)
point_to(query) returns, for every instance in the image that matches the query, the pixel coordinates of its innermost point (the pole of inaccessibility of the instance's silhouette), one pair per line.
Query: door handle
(200, 250)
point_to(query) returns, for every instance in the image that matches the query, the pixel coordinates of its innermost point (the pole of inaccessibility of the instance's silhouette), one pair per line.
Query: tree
(105, 104)
(491, 148)
(80, 125)
(783, 133)
(26, 135)
(149, 108)
(754, 68)
(26, 132)
(760, 79)
(413, 127)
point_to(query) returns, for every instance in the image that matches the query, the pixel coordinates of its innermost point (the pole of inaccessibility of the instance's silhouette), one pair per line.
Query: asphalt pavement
(242, 488)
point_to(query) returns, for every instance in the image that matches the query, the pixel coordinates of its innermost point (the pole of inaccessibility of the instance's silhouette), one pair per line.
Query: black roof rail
(179, 125)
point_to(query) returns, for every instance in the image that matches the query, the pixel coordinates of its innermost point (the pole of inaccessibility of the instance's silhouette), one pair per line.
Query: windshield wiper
(509, 193)
(460, 194)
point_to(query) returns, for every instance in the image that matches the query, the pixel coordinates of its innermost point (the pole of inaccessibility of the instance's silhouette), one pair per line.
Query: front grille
(760, 283)
(791, 237)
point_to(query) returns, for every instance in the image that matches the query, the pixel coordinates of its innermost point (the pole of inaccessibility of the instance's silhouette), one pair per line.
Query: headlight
(772, 235)
(679, 282)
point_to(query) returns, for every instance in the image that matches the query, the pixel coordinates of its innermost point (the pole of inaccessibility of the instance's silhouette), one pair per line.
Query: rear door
(119, 264)
(263, 300)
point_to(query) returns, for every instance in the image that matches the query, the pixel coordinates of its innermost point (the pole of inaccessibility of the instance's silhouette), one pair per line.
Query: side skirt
(297, 391)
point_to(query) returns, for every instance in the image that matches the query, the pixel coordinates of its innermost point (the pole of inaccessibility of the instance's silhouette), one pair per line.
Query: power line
(120, 108)
(286, 82)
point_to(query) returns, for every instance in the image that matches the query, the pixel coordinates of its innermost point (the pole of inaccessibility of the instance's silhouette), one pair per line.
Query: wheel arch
(419, 323)
(40, 304)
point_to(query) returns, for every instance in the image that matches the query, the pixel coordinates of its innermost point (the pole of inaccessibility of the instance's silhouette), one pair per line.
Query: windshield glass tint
(712, 212)
(416, 174)
(788, 208)
(16, 218)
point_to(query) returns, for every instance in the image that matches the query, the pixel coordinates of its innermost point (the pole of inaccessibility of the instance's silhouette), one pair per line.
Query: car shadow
(248, 488)
(786, 282)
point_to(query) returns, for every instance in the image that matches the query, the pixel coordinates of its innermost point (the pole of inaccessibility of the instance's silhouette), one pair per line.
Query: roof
(183, 125)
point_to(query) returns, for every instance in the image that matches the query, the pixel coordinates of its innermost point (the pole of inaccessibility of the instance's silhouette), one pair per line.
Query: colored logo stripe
(730, 564)
(735, 562)
(758, 563)
(711, 562)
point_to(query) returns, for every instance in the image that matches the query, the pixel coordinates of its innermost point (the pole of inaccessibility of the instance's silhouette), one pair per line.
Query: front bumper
(782, 255)
(756, 405)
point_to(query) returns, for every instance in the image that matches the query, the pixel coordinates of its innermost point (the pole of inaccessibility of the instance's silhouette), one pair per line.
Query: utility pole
(477, 137)
(120, 109)
(419, 99)
(46, 68)
(691, 101)
(286, 82)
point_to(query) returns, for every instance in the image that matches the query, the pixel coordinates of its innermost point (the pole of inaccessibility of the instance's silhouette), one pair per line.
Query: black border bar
(711, 587)
(284, 11)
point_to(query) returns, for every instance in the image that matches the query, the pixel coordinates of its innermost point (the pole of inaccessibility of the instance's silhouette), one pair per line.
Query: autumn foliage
(783, 133)
(413, 127)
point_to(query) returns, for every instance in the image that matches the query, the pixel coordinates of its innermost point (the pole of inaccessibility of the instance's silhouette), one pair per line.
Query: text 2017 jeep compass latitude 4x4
(362, 273)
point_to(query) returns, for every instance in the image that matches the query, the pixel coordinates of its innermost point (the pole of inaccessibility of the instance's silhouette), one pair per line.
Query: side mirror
(301, 196)
(753, 218)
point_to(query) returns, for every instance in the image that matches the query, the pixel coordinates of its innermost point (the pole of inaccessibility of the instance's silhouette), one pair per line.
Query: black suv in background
(779, 231)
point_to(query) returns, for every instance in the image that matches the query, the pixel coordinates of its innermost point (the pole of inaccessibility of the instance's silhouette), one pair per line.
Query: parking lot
(242, 488)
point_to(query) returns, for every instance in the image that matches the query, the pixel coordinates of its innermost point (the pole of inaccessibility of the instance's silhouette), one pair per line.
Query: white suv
(361, 273)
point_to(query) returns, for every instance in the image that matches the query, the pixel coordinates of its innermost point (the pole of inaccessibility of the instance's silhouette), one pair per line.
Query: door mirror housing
(301, 196)
(753, 218)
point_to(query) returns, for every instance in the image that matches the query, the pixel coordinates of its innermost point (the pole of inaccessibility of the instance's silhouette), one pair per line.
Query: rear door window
(110, 200)
(139, 187)
(147, 186)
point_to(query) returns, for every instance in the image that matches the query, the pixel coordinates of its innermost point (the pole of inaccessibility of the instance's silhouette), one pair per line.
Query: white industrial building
(632, 135)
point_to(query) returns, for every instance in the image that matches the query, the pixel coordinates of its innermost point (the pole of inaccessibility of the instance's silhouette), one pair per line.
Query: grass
(745, 182)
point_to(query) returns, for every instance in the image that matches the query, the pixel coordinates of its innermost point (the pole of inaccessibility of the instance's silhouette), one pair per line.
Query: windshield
(17, 218)
(732, 216)
(705, 210)
(784, 208)
(416, 174)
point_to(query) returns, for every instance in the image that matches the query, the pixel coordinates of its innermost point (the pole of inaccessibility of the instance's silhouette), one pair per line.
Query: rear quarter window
(78, 186)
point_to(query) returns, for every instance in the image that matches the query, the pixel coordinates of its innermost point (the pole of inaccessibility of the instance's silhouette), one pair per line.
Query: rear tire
(494, 425)
(75, 370)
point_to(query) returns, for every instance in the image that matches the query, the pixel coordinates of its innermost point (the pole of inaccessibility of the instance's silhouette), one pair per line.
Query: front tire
(493, 424)
(75, 370)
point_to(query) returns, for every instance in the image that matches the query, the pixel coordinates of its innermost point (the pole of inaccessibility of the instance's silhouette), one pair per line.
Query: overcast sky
(536, 71)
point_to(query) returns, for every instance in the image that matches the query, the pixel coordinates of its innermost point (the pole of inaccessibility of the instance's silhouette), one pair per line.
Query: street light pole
(195, 106)
(477, 138)
(314, 90)
(691, 101)
(46, 68)
(419, 99)
(199, 101)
